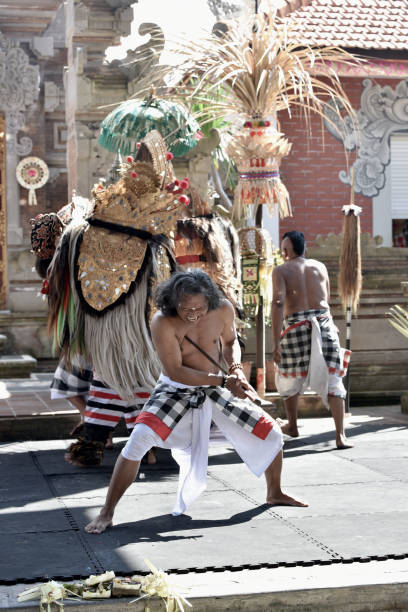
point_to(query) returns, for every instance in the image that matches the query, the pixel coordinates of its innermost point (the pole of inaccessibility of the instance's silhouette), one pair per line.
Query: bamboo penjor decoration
(248, 73)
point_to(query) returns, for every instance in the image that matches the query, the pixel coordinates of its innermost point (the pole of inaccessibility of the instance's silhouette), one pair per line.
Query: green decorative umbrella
(125, 126)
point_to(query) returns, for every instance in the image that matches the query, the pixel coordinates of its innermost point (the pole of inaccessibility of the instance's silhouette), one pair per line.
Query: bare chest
(206, 335)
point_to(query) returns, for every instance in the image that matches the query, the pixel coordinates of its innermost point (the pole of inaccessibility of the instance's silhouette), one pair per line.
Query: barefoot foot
(99, 525)
(342, 442)
(289, 430)
(281, 499)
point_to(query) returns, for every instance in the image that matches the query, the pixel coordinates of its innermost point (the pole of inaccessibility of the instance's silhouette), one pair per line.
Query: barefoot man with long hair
(307, 350)
(191, 393)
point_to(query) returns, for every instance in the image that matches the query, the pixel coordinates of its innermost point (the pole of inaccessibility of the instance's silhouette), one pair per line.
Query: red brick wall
(311, 173)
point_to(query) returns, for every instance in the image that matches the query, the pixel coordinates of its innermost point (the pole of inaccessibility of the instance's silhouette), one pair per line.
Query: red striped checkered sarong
(168, 404)
(105, 407)
(296, 344)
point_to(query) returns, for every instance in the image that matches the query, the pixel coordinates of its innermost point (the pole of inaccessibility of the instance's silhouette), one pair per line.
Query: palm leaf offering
(156, 584)
(398, 317)
(247, 73)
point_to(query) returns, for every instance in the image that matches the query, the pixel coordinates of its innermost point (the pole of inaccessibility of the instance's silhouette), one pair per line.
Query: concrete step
(16, 366)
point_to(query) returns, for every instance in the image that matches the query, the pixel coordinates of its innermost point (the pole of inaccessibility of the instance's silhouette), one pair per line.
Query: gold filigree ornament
(32, 173)
(127, 216)
(107, 265)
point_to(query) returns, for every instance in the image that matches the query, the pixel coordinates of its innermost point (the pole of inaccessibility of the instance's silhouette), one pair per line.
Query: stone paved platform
(229, 542)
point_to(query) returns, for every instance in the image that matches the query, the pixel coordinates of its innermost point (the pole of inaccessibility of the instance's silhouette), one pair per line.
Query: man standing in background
(307, 351)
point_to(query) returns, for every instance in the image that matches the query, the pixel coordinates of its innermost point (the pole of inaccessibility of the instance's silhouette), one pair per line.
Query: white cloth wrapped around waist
(189, 442)
(311, 356)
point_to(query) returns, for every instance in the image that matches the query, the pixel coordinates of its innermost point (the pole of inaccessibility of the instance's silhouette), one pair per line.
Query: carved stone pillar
(383, 112)
(3, 217)
(91, 85)
(19, 88)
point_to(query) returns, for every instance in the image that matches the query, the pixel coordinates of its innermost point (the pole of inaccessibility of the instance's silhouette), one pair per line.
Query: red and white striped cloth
(106, 407)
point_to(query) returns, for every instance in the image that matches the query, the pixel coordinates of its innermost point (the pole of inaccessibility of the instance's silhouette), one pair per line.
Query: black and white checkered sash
(167, 405)
(296, 343)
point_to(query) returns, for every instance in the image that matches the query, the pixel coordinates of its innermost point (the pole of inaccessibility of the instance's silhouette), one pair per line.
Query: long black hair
(181, 284)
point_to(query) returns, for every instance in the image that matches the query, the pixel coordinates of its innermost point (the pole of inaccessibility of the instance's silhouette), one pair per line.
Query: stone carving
(60, 136)
(139, 63)
(223, 9)
(81, 16)
(52, 96)
(123, 20)
(119, 3)
(43, 46)
(19, 87)
(383, 111)
(19, 80)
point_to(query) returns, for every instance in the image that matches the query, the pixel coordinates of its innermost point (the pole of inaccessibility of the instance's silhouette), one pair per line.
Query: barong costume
(179, 417)
(311, 356)
(103, 275)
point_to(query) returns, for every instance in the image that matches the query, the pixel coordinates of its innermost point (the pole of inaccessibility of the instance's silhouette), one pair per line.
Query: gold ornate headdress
(127, 216)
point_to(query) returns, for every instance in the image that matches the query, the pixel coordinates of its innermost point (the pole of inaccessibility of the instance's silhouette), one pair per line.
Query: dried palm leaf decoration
(248, 72)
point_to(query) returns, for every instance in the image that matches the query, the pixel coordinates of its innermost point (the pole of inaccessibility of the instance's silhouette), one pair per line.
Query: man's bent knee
(141, 440)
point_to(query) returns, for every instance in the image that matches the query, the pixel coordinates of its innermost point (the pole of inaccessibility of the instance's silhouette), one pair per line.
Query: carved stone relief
(53, 97)
(60, 136)
(140, 61)
(383, 111)
(3, 217)
(224, 9)
(94, 161)
(117, 4)
(19, 88)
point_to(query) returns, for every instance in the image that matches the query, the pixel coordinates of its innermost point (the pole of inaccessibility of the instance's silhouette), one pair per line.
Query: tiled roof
(367, 24)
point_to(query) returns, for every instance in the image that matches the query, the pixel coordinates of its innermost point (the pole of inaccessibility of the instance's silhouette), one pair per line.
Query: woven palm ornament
(105, 270)
(257, 265)
(257, 150)
(32, 173)
(247, 72)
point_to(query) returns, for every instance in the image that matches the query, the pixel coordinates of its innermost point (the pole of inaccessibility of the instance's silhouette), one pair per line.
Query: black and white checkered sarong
(296, 343)
(75, 380)
(167, 406)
